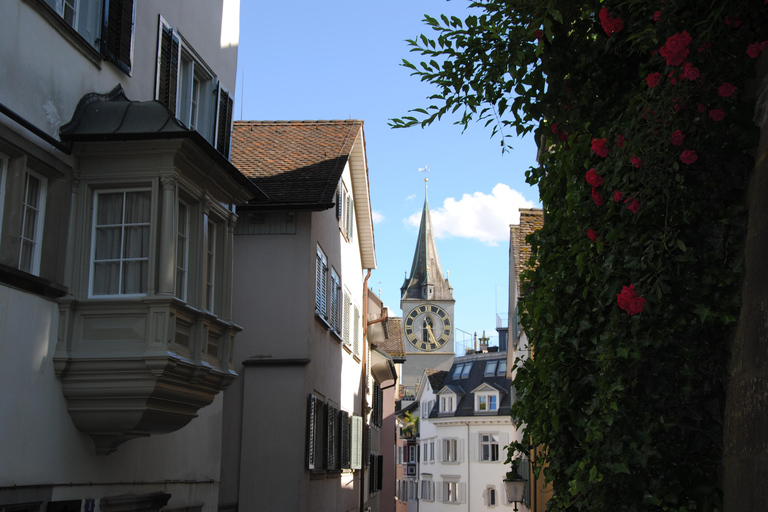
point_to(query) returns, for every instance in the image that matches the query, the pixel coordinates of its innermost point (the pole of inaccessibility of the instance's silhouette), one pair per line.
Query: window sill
(69, 33)
(322, 321)
(336, 335)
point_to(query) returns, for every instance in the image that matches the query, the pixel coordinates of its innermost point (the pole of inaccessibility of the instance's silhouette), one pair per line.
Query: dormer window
(447, 404)
(486, 402)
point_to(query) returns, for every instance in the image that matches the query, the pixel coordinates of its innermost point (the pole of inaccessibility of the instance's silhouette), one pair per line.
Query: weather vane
(424, 169)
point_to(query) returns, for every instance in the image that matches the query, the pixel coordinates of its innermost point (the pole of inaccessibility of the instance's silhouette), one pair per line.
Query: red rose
(688, 156)
(629, 301)
(593, 179)
(717, 114)
(554, 128)
(633, 206)
(726, 90)
(597, 198)
(657, 16)
(675, 50)
(598, 146)
(539, 35)
(617, 195)
(677, 138)
(755, 49)
(620, 141)
(610, 25)
(635, 161)
(653, 79)
(591, 234)
(690, 72)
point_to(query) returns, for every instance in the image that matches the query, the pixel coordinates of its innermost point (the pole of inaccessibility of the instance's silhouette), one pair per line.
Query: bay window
(120, 243)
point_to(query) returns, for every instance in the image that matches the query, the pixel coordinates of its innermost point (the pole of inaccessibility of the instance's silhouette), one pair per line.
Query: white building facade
(116, 214)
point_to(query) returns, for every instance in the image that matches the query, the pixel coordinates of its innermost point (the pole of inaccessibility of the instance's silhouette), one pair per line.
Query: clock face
(428, 327)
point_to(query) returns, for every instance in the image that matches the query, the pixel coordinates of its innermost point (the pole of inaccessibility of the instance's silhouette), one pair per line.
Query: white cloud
(411, 197)
(378, 218)
(484, 217)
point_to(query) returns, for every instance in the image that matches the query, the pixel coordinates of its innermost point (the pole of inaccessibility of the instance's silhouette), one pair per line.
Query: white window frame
(450, 451)
(447, 403)
(210, 264)
(42, 194)
(453, 491)
(491, 496)
(321, 284)
(487, 439)
(182, 243)
(427, 488)
(486, 402)
(96, 194)
(334, 302)
(490, 365)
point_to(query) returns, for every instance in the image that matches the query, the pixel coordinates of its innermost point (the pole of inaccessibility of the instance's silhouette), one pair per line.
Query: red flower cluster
(653, 79)
(598, 146)
(629, 301)
(657, 16)
(610, 25)
(755, 49)
(726, 90)
(690, 72)
(620, 141)
(635, 160)
(597, 198)
(677, 138)
(633, 206)
(591, 234)
(675, 50)
(617, 195)
(717, 114)
(539, 35)
(593, 179)
(688, 156)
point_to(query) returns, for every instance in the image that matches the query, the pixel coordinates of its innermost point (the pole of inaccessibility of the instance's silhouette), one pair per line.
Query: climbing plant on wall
(643, 114)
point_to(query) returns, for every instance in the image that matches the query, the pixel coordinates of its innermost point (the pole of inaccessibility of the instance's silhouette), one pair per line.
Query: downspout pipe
(364, 379)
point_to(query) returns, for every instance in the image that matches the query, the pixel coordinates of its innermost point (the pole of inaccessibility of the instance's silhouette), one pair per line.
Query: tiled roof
(393, 338)
(436, 379)
(294, 162)
(531, 219)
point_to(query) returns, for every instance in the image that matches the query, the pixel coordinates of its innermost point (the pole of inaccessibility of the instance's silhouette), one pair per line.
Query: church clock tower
(427, 304)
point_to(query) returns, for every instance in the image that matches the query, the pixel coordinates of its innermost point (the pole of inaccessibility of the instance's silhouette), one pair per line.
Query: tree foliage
(643, 114)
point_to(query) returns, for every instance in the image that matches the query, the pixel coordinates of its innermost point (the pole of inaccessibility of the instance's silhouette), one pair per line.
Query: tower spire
(426, 279)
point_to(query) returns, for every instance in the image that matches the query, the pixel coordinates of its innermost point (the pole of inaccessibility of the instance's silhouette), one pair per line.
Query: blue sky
(301, 60)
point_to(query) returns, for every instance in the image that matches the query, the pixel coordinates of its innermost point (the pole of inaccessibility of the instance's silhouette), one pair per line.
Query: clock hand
(431, 335)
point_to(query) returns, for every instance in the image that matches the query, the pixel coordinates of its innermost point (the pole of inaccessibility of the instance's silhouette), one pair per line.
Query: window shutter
(346, 319)
(223, 134)
(379, 472)
(524, 468)
(367, 443)
(339, 206)
(356, 338)
(462, 492)
(460, 450)
(439, 450)
(439, 493)
(311, 434)
(321, 282)
(117, 33)
(330, 436)
(474, 447)
(167, 67)
(344, 440)
(503, 442)
(356, 448)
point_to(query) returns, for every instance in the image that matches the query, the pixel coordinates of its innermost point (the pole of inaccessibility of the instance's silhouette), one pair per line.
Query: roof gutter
(13, 116)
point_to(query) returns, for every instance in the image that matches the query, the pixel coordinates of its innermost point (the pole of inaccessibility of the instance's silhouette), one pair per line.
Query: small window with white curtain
(120, 242)
(33, 212)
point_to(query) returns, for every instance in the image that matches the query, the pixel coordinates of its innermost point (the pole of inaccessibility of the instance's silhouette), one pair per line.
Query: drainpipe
(363, 400)
(469, 467)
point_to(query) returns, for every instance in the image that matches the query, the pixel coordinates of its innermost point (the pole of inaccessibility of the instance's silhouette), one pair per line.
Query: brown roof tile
(393, 342)
(294, 162)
